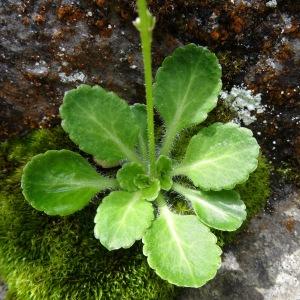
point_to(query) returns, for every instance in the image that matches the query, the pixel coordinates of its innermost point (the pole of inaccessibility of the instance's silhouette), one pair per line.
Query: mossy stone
(53, 258)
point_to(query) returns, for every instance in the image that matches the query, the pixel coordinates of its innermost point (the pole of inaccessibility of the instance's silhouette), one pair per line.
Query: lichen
(53, 258)
(271, 3)
(244, 103)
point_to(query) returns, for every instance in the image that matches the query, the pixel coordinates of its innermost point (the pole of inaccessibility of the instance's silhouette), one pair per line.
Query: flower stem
(145, 24)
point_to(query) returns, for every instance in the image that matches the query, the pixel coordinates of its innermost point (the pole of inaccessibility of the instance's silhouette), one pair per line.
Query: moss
(45, 257)
(288, 173)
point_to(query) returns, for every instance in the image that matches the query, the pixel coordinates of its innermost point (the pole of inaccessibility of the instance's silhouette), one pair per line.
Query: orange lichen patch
(285, 53)
(100, 3)
(238, 24)
(57, 35)
(267, 45)
(171, 42)
(39, 19)
(69, 13)
(124, 14)
(294, 29)
(101, 23)
(224, 35)
(215, 35)
(104, 29)
(26, 21)
(106, 33)
(130, 59)
(290, 224)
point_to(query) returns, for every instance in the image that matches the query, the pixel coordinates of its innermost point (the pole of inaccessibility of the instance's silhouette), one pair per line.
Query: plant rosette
(180, 248)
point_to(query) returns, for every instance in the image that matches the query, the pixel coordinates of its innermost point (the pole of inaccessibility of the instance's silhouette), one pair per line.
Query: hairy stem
(145, 25)
(109, 183)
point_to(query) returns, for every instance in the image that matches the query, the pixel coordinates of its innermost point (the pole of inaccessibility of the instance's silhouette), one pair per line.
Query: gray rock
(2, 290)
(265, 264)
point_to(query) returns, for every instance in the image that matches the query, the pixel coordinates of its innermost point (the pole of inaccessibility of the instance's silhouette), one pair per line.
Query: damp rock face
(48, 47)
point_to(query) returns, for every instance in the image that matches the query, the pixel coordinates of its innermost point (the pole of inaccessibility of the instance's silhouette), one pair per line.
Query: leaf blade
(61, 182)
(121, 219)
(100, 123)
(127, 174)
(140, 112)
(181, 250)
(222, 210)
(186, 88)
(219, 157)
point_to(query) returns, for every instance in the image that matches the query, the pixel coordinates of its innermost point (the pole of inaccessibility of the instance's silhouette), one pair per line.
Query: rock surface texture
(48, 47)
(265, 264)
(2, 290)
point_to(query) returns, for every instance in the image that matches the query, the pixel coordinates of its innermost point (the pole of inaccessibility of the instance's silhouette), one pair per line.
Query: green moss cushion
(53, 258)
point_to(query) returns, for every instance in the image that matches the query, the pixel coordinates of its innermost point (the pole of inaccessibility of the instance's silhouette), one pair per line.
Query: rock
(265, 262)
(48, 47)
(2, 290)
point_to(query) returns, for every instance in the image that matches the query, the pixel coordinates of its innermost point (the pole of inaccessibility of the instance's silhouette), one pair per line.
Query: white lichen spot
(133, 67)
(271, 3)
(244, 103)
(274, 64)
(285, 272)
(230, 262)
(76, 76)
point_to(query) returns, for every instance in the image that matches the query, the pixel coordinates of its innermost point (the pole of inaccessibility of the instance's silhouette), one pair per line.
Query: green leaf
(181, 249)
(127, 174)
(100, 123)
(61, 182)
(221, 210)
(219, 157)
(107, 164)
(122, 218)
(140, 113)
(186, 89)
(149, 187)
(151, 192)
(163, 170)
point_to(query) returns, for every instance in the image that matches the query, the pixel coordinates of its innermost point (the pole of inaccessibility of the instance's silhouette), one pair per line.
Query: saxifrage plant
(180, 248)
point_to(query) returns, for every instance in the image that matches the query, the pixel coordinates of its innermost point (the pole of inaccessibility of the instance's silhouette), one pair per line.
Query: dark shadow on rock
(224, 287)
